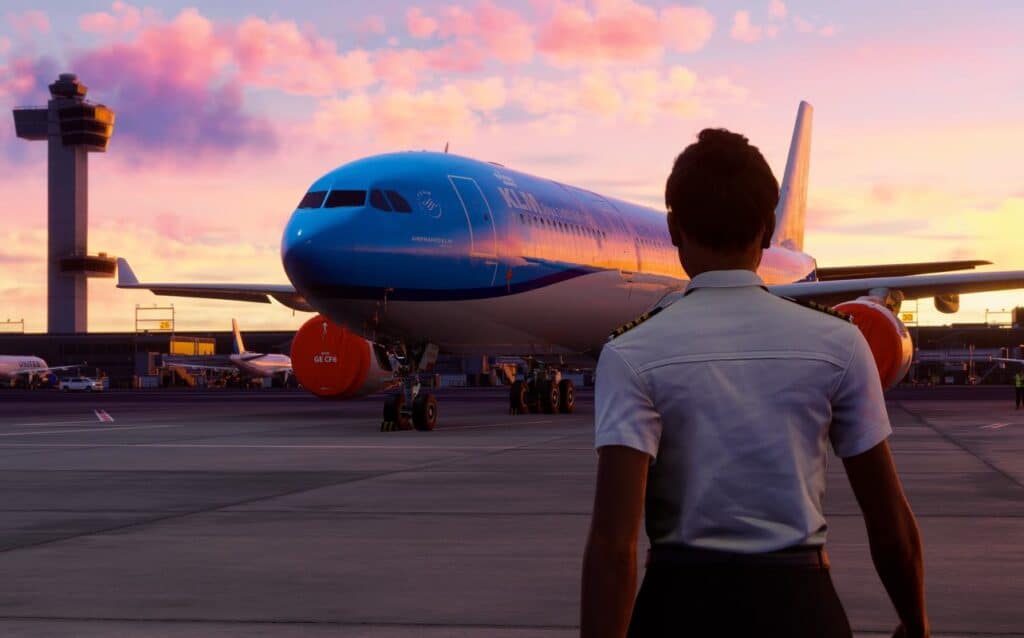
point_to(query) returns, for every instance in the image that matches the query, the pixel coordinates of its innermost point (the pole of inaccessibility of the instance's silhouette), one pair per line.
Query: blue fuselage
(390, 236)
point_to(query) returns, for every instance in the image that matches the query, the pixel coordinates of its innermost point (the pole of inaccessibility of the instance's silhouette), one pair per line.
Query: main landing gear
(411, 407)
(542, 390)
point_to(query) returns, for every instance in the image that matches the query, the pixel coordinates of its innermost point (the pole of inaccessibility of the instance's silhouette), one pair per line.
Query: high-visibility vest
(1018, 380)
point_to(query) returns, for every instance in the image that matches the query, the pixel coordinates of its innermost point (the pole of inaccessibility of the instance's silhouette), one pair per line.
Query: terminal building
(957, 354)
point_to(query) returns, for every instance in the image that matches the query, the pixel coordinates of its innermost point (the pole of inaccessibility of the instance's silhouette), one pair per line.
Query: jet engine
(333, 362)
(886, 335)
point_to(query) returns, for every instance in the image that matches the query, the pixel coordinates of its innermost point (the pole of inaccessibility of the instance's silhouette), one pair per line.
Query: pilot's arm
(860, 429)
(628, 430)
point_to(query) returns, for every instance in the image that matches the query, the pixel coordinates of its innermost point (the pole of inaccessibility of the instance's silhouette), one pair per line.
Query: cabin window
(313, 199)
(345, 199)
(378, 201)
(398, 203)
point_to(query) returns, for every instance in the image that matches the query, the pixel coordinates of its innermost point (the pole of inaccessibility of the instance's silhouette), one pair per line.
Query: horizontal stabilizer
(912, 287)
(896, 270)
(285, 294)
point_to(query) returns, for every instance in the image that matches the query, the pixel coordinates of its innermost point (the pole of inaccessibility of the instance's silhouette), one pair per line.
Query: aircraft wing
(912, 287)
(831, 273)
(199, 366)
(48, 369)
(285, 294)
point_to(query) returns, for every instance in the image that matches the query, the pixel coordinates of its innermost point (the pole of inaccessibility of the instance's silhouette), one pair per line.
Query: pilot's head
(721, 199)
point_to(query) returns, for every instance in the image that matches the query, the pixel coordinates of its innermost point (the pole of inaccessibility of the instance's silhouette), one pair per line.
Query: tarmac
(276, 514)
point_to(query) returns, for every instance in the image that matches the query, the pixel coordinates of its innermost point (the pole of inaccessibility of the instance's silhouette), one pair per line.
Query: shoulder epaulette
(629, 325)
(820, 307)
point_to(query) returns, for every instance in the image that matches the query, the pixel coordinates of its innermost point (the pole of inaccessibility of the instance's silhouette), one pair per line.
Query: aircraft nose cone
(299, 257)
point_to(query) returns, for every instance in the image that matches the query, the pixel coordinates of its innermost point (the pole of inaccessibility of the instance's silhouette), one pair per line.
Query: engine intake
(333, 362)
(886, 335)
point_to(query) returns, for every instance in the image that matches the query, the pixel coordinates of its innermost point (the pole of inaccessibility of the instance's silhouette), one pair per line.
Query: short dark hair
(722, 192)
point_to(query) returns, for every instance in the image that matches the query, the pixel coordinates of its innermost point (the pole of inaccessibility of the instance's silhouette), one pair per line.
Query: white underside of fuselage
(572, 316)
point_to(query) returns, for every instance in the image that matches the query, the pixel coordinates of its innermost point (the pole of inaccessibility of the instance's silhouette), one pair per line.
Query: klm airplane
(405, 254)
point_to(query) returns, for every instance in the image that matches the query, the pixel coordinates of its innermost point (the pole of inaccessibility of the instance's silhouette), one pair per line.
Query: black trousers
(717, 600)
(1020, 396)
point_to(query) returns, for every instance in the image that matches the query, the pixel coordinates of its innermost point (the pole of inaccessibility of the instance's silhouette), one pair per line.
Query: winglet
(125, 276)
(238, 345)
(790, 213)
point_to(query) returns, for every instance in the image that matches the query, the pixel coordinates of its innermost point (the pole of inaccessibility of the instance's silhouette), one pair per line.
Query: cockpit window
(378, 201)
(340, 199)
(398, 203)
(313, 199)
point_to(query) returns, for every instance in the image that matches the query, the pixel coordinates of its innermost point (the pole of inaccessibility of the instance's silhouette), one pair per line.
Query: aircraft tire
(519, 398)
(567, 390)
(424, 412)
(550, 397)
(393, 405)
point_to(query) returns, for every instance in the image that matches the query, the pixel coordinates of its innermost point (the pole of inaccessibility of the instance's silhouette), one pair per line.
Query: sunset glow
(226, 115)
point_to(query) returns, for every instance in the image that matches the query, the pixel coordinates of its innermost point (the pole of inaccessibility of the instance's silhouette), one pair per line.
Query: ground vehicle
(83, 384)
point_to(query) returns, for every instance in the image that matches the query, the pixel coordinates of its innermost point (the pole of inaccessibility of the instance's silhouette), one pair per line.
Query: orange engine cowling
(333, 362)
(886, 335)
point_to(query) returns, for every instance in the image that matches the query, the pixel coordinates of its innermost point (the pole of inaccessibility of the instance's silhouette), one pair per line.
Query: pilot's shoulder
(629, 325)
(820, 308)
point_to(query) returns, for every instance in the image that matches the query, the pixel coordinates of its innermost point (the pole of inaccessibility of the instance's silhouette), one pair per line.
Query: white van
(82, 384)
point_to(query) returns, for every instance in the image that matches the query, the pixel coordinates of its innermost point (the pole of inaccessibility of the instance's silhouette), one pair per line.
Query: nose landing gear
(542, 390)
(410, 408)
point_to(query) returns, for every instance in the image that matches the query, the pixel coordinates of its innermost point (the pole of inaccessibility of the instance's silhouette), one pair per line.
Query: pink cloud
(21, 78)
(174, 89)
(505, 33)
(372, 24)
(456, 21)
(279, 55)
(620, 30)
(401, 68)
(122, 18)
(491, 30)
(743, 29)
(419, 25)
(461, 56)
(777, 9)
(29, 22)
(686, 29)
(5, 45)
(806, 26)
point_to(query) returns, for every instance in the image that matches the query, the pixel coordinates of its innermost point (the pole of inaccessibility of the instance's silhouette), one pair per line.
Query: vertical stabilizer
(239, 345)
(792, 208)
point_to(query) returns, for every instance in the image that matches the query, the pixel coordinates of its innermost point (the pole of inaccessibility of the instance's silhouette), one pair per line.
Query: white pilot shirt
(735, 394)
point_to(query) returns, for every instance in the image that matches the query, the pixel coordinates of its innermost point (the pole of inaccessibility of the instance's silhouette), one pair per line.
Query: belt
(683, 556)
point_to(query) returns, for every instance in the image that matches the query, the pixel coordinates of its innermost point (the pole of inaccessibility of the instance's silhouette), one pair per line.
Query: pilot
(714, 417)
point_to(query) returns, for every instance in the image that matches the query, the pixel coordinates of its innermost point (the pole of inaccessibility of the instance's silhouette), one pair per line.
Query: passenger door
(482, 235)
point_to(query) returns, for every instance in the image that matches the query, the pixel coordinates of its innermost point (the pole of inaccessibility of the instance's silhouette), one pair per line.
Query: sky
(226, 112)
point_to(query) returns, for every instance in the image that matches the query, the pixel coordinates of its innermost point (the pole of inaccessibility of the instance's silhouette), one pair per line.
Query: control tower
(73, 127)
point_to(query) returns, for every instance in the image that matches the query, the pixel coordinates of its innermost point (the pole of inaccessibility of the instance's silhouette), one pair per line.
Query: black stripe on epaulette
(629, 325)
(828, 310)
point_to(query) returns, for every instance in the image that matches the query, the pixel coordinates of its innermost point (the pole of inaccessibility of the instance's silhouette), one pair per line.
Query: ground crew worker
(1018, 387)
(719, 409)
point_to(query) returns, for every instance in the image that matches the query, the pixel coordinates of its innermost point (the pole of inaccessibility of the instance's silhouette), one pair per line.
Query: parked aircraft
(405, 254)
(29, 371)
(249, 364)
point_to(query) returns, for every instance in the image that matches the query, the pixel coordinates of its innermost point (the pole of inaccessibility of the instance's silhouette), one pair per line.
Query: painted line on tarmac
(48, 423)
(259, 446)
(496, 425)
(995, 426)
(103, 416)
(119, 428)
